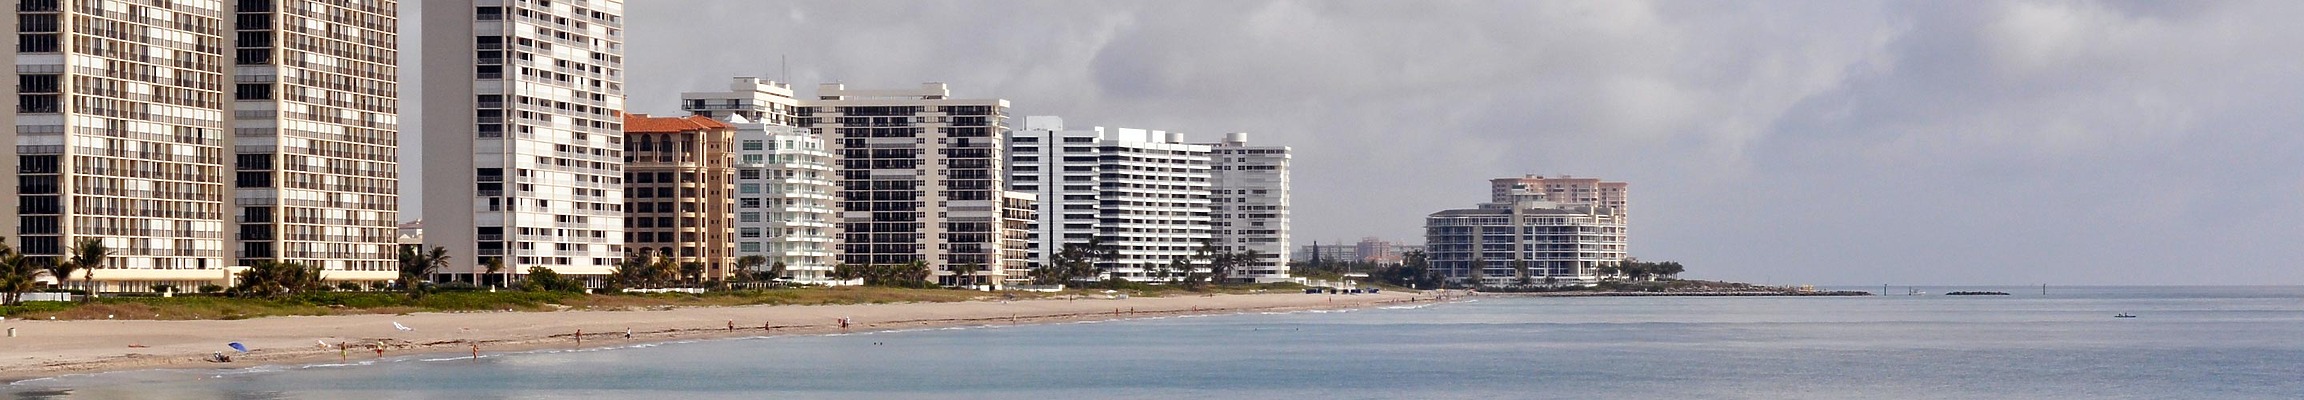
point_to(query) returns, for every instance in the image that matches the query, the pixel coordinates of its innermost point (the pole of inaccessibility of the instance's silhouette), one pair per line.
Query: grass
(201, 307)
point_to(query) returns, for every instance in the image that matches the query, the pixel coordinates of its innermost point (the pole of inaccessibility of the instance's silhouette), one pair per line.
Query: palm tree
(665, 269)
(496, 265)
(416, 266)
(273, 279)
(694, 271)
(777, 270)
(749, 264)
(16, 274)
(88, 254)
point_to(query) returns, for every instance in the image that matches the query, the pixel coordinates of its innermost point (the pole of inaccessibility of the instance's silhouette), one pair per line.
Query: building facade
(192, 136)
(1250, 205)
(1368, 249)
(524, 135)
(922, 176)
(679, 191)
(1144, 193)
(316, 136)
(785, 207)
(1565, 189)
(1526, 241)
(757, 100)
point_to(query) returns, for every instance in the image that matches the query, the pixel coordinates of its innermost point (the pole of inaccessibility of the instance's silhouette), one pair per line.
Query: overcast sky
(1828, 142)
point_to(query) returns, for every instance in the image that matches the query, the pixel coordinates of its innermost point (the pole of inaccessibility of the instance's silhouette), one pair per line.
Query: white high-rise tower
(524, 133)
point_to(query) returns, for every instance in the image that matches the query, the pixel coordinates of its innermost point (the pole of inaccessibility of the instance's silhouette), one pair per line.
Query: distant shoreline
(1787, 293)
(55, 348)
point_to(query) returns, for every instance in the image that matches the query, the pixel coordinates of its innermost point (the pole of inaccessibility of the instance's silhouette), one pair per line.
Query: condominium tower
(1143, 193)
(922, 179)
(1251, 205)
(316, 136)
(524, 134)
(1528, 239)
(679, 187)
(785, 210)
(125, 126)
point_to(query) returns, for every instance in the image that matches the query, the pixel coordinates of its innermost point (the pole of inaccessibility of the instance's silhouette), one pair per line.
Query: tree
(1479, 272)
(417, 266)
(496, 265)
(16, 275)
(1520, 268)
(693, 271)
(1074, 262)
(666, 269)
(1670, 269)
(541, 279)
(750, 265)
(89, 254)
(636, 270)
(778, 270)
(272, 279)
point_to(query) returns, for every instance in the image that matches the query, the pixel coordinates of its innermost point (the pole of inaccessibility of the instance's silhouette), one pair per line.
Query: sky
(1838, 142)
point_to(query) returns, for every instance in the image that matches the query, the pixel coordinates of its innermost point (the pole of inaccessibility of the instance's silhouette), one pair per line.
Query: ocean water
(2187, 343)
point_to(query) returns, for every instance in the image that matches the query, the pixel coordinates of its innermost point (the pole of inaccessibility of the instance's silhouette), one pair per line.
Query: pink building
(1566, 189)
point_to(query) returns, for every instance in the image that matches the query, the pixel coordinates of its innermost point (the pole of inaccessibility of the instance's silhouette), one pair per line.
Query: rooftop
(642, 123)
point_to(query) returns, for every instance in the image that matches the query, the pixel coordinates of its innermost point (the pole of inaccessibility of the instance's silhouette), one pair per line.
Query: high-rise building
(1564, 189)
(757, 100)
(122, 137)
(679, 191)
(785, 210)
(1526, 240)
(1143, 193)
(922, 178)
(1251, 205)
(132, 139)
(524, 134)
(316, 136)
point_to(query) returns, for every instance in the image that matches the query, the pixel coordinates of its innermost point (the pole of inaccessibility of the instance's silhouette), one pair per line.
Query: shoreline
(46, 349)
(1747, 293)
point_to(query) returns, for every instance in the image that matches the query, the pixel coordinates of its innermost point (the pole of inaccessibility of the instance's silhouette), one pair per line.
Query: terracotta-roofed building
(679, 183)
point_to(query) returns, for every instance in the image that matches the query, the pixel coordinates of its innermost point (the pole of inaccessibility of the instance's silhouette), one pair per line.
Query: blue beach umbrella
(237, 346)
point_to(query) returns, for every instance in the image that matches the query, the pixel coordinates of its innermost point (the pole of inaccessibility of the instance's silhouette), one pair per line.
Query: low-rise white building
(1529, 240)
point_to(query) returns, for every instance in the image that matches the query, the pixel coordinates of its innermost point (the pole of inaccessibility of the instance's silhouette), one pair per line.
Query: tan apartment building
(1564, 189)
(679, 190)
(923, 178)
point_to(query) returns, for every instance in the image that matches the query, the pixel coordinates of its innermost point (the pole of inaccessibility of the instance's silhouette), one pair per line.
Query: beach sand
(50, 348)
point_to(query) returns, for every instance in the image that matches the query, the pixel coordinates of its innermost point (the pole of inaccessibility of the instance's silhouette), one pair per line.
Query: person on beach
(627, 333)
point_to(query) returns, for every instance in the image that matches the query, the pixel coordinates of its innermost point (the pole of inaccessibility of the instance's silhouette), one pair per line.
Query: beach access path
(49, 348)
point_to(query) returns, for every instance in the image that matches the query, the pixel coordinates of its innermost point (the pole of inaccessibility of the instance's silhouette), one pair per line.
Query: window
(754, 145)
(253, 91)
(748, 233)
(748, 217)
(749, 202)
(748, 188)
(748, 247)
(748, 173)
(753, 158)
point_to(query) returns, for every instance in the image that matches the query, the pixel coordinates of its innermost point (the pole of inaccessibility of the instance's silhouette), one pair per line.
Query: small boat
(2124, 315)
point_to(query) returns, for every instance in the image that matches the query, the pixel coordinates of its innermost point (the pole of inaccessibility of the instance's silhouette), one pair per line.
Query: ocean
(2185, 343)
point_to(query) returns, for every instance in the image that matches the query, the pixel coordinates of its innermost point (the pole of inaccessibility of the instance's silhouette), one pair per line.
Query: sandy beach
(49, 348)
